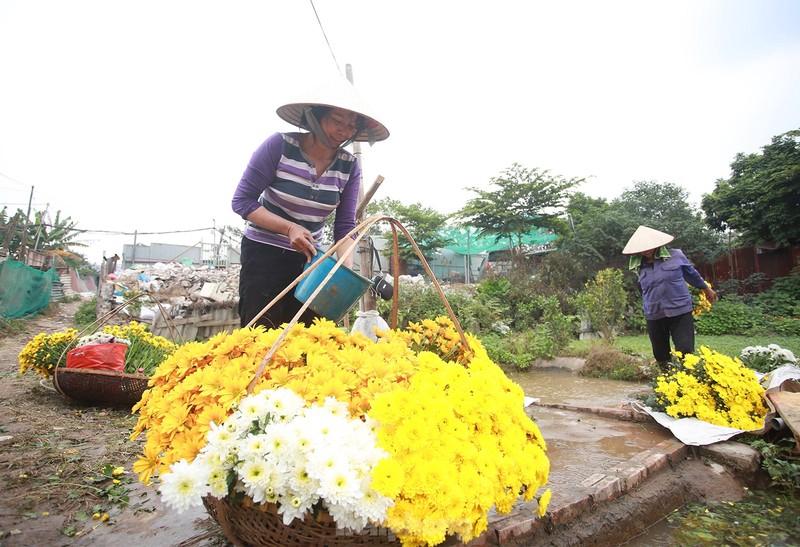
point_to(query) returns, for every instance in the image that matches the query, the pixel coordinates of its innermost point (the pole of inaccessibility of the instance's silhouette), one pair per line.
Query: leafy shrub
(780, 462)
(520, 349)
(421, 301)
(633, 320)
(606, 362)
(86, 313)
(782, 298)
(602, 302)
(785, 326)
(728, 316)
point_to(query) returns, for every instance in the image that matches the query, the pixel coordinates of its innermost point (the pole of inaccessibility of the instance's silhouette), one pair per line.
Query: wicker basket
(100, 387)
(104, 387)
(262, 526)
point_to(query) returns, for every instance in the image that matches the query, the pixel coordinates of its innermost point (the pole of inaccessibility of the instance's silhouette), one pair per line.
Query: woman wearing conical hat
(292, 184)
(667, 302)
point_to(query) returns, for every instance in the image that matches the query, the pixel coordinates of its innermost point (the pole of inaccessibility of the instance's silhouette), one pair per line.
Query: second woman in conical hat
(292, 184)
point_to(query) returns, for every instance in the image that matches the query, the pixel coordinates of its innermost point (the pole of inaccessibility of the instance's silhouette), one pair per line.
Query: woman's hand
(711, 296)
(302, 241)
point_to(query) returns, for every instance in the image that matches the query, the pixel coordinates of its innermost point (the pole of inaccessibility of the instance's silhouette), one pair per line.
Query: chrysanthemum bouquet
(371, 432)
(714, 388)
(145, 350)
(700, 303)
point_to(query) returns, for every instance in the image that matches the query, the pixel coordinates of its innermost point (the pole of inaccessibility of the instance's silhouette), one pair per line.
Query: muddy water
(556, 385)
(580, 444)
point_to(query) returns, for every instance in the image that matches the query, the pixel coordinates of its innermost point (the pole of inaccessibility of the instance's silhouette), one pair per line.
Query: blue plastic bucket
(339, 293)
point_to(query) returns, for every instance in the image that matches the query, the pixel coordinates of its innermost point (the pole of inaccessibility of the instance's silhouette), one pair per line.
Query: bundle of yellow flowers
(144, 353)
(714, 388)
(41, 355)
(699, 301)
(391, 433)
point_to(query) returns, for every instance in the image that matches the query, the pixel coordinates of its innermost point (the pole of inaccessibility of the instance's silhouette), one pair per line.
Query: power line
(325, 36)
(12, 179)
(114, 232)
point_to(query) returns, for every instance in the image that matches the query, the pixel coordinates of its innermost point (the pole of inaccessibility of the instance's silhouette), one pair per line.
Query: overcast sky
(141, 116)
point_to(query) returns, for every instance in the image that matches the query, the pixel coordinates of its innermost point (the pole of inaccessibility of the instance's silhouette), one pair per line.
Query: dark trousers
(266, 271)
(680, 328)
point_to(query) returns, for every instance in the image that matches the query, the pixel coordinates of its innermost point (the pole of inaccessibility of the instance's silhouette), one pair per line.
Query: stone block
(607, 489)
(736, 455)
(630, 474)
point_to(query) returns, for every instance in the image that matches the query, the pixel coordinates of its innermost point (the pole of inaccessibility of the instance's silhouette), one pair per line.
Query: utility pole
(23, 251)
(368, 301)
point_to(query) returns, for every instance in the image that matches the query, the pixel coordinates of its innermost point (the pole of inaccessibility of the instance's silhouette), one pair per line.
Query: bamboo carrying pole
(359, 232)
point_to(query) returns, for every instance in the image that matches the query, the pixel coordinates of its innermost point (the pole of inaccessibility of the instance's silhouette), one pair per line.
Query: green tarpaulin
(467, 241)
(24, 290)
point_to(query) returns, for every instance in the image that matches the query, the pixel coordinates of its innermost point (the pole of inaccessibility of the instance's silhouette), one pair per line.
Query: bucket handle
(359, 231)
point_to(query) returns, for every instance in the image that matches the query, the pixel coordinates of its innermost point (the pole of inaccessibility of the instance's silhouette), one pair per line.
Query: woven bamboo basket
(261, 525)
(102, 387)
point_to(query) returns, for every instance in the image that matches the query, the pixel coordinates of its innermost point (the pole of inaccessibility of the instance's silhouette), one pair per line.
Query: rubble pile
(183, 287)
(197, 302)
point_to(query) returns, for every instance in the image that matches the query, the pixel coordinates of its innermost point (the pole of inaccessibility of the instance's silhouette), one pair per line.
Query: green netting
(24, 290)
(467, 241)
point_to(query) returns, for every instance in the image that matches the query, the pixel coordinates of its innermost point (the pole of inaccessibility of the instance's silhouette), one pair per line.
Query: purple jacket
(664, 290)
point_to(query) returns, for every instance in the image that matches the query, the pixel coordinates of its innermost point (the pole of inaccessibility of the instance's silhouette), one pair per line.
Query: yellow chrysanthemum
(714, 388)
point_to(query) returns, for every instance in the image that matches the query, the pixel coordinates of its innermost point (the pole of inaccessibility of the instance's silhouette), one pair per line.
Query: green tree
(761, 199)
(602, 229)
(57, 234)
(423, 223)
(524, 199)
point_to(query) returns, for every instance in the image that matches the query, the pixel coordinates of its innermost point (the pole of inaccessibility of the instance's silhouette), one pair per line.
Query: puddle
(581, 444)
(553, 385)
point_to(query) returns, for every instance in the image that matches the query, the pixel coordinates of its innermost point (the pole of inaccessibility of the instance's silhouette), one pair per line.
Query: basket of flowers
(110, 367)
(309, 435)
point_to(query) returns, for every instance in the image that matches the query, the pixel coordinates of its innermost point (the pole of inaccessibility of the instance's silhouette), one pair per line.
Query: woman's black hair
(318, 111)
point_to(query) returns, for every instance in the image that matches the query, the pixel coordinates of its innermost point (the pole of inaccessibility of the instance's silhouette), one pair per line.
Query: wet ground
(578, 443)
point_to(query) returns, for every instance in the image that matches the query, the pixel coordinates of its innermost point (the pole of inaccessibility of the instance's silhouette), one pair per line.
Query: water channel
(581, 444)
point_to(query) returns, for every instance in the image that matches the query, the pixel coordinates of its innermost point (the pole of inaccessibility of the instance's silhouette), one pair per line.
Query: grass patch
(731, 346)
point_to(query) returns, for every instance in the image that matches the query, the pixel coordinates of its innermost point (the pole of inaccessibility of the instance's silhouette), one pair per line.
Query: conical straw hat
(644, 239)
(337, 93)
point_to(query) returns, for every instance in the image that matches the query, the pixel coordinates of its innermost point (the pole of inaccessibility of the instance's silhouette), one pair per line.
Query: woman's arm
(258, 175)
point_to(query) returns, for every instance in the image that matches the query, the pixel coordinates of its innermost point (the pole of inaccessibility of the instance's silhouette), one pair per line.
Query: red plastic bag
(98, 357)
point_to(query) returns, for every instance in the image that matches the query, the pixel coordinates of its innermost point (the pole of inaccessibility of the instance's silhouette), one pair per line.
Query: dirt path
(53, 455)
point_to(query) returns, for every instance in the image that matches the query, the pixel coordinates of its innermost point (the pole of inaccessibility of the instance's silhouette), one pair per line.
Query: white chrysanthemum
(218, 482)
(254, 446)
(284, 403)
(283, 452)
(375, 506)
(292, 507)
(345, 516)
(281, 440)
(256, 477)
(339, 485)
(185, 485)
(220, 436)
(254, 407)
(336, 407)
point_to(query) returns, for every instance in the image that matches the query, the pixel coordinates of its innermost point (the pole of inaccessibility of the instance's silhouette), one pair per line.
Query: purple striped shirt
(280, 178)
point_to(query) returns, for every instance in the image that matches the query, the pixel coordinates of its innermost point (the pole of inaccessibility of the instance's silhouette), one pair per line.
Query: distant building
(203, 254)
